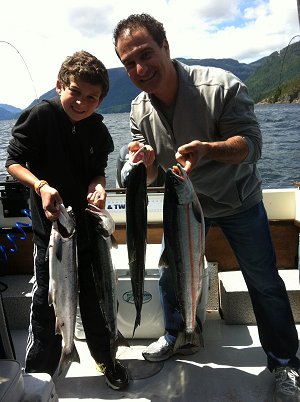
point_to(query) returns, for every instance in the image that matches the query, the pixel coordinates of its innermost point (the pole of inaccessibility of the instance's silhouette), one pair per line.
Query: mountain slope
(275, 78)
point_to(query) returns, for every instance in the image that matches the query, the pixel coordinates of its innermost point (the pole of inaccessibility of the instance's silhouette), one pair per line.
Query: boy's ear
(58, 87)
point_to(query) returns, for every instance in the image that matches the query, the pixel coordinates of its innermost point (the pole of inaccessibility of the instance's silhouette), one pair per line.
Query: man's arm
(234, 150)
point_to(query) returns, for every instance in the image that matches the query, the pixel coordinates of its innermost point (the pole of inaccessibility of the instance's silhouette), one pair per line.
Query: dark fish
(136, 229)
(101, 227)
(184, 240)
(63, 285)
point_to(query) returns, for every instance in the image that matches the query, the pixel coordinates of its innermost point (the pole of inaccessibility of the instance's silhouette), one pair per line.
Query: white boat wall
(282, 205)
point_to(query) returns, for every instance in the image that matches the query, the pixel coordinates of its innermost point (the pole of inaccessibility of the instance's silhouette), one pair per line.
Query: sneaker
(287, 386)
(163, 350)
(116, 375)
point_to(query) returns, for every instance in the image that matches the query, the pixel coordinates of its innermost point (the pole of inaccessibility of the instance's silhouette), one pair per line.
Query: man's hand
(148, 152)
(188, 155)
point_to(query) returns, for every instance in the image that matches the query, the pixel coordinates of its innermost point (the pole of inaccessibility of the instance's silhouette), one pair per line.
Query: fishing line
(8, 43)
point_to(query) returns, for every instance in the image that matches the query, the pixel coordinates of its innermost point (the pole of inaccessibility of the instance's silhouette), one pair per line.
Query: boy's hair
(87, 67)
(137, 21)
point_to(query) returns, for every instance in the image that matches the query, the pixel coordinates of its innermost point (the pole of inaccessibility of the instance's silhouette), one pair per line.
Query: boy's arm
(50, 196)
(96, 192)
(22, 174)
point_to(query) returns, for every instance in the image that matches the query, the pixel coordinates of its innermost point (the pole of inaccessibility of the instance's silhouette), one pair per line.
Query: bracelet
(38, 185)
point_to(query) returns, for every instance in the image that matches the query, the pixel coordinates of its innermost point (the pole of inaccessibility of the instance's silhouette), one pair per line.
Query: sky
(36, 35)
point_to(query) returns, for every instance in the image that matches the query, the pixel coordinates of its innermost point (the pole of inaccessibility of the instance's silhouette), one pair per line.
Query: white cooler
(152, 323)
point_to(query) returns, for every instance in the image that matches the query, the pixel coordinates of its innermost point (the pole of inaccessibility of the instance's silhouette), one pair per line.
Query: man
(204, 119)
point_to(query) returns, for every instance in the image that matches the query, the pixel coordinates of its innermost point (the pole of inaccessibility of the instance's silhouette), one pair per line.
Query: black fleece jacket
(68, 156)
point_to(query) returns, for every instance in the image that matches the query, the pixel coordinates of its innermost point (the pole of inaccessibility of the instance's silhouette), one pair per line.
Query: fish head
(139, 156)
(178, 183)
(135, 160)
(102, 218)
(65, 224)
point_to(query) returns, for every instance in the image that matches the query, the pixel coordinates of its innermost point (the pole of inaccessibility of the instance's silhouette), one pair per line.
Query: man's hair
(137, 21)
(86, 67)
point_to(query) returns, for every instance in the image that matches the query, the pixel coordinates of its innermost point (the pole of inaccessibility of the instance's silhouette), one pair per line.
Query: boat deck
(230, 368)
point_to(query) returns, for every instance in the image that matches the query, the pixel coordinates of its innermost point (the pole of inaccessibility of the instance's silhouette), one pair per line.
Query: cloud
(91, 21)
(46, 32)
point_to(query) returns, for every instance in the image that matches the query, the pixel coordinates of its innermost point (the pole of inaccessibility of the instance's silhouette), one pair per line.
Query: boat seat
(11, 381)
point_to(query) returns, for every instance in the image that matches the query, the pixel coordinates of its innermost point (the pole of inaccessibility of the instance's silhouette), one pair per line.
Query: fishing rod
(284, 56)
(30, 76)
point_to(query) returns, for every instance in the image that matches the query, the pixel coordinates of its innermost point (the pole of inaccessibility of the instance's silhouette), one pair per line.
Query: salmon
(101, 227)
(184, 247)
(136, 229)
(63, 283)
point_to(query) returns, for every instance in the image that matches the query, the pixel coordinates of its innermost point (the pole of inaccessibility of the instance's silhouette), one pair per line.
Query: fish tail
(67, 358)
(194, 338)
(137, 322)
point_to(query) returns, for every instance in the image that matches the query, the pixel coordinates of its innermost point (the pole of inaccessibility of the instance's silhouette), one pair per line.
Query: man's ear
(58, 87)
(166, 46)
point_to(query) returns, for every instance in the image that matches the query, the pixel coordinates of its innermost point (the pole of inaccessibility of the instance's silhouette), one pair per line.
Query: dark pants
(249, 236)
(43, 345)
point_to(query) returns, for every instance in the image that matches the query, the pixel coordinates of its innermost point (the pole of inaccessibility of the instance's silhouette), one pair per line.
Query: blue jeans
(249, 236)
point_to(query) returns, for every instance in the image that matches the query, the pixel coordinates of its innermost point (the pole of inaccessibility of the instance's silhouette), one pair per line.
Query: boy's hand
(50, 201)
(97, 197)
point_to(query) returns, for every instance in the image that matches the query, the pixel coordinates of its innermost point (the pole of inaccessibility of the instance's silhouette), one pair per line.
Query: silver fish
(184, 242)
(101, 227)
(136, 229)
(63, 283)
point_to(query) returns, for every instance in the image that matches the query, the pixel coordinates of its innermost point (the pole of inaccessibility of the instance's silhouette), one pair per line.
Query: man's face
(146, 63)
(79, 99)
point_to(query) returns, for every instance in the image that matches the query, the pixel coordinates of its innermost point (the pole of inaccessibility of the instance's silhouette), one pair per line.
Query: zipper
(73, 130)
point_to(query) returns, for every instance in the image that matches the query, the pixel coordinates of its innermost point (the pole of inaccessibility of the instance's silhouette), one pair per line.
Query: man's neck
(167, 94)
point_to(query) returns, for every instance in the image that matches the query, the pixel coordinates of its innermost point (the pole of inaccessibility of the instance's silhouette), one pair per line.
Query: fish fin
(50, 299)
(114, 242)
(122, 341)
(58, 327)
(66, 359)
(58, 252)
(163, 260)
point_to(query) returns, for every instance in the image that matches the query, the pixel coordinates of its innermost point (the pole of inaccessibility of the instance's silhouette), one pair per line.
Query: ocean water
(280, 126)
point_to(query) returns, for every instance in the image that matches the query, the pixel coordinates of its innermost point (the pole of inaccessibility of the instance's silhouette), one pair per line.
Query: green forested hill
(278, 78)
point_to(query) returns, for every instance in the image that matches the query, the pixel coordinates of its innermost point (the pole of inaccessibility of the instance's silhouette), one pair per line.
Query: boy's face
(79, 99)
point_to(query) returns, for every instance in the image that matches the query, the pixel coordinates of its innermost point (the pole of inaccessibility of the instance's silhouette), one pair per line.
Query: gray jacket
(211, 105)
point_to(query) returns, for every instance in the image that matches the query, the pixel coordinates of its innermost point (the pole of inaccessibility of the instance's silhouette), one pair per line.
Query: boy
(59, 148)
